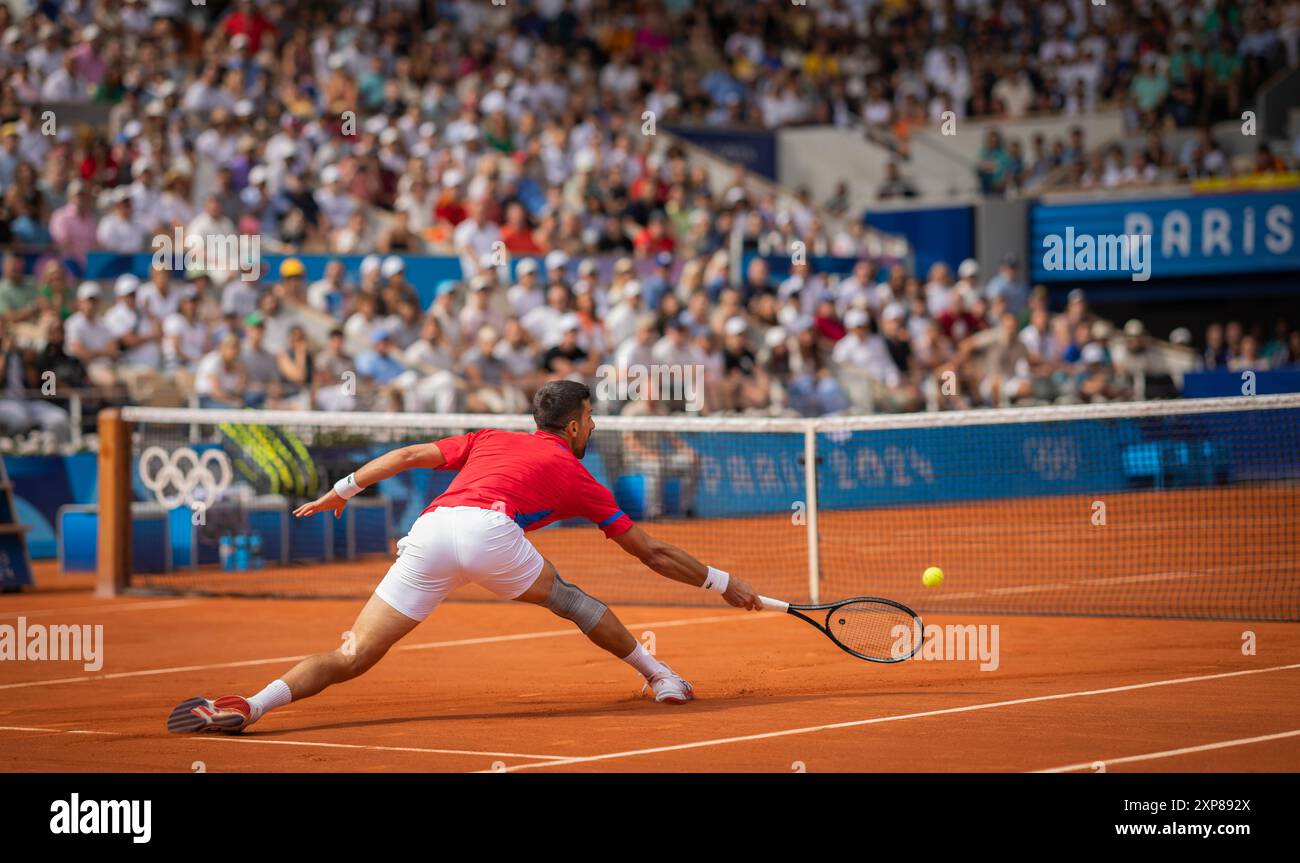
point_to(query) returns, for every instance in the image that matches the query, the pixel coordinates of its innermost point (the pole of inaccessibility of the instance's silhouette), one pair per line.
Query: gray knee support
(571, 603)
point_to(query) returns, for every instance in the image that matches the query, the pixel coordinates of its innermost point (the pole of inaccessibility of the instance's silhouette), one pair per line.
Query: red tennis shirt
(533, 478)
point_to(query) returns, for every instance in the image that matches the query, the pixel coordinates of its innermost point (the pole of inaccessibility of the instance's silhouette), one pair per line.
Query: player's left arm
(422, 455)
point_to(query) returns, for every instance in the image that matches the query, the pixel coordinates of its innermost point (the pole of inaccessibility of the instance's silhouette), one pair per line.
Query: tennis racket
(877, 630)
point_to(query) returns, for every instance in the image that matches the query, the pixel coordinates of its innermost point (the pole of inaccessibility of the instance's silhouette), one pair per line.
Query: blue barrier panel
(1203, 385)
(79, 540)
(43, 484)
(937, 234)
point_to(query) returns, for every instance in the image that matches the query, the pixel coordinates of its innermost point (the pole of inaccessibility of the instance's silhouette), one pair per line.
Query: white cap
(570, 322)
(968, 269)
(451, 178)
(493, 103)
(855, 318)
(428, 129)
(392, 266)
(775, 336)
(480, 282)
(1134, 328)
(1181, 336)
(370, 264)
(893, 312)
(526, 266)
(587, 267)
(556, 260)
(633, 289)
(1093, 353)
(243, 108)
(735, 326)
(388, 136)
(329, 174)
(257, 176)
(125, 284)
(88, 291)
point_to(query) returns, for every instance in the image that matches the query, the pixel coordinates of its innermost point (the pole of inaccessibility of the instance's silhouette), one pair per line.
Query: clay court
(491, 686)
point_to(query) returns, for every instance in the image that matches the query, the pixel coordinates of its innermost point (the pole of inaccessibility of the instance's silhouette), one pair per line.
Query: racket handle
(773, 604)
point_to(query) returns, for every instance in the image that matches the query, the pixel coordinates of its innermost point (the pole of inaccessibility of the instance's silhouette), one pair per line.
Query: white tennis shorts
(455, 545)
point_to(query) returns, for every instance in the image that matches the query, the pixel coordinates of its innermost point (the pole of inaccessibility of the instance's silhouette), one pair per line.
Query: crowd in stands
(350, 129)
(805, 344)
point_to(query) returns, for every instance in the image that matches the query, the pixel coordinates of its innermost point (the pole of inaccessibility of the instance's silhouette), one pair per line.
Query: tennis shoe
(229, 714)
(669, 687)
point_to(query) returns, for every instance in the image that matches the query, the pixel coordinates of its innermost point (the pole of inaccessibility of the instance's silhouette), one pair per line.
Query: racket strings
(875, 629)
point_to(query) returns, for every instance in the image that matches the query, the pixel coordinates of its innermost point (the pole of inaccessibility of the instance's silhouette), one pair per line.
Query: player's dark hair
(558, 403)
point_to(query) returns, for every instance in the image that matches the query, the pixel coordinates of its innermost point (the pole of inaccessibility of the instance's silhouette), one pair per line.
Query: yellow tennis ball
(932, 577)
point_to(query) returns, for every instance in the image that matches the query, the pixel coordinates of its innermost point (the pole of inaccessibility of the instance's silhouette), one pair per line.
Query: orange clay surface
(496, 686)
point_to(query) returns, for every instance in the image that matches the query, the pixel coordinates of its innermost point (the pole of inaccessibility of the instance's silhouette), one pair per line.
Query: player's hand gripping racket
(878, 630)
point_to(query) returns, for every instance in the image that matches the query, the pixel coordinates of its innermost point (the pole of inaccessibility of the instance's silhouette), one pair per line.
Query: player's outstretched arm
(672, 562)
(423, 455)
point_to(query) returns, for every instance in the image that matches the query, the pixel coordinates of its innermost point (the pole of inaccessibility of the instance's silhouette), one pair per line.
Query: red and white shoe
(229, 714)
(669, 687)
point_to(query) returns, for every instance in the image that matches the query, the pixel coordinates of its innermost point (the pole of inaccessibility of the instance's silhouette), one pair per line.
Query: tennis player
(508, 483)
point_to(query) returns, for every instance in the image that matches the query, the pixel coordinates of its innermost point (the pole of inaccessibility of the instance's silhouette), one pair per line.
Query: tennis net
(1165, 509)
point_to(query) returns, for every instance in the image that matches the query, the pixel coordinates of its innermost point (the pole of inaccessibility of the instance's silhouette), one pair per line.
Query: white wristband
(716, 581)
(347, 487)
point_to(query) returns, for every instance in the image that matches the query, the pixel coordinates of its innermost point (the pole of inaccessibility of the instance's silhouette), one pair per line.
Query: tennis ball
(932, 577)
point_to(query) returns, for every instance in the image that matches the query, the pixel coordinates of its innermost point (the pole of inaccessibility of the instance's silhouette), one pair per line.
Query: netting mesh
(1176, 510)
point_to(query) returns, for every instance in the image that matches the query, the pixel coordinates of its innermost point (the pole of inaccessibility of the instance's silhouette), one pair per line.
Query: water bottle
(226, 551)
(241, 552)
(255, 550)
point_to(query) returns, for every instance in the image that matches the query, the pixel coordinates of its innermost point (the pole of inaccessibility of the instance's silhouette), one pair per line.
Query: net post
(810, 489)
(113, 556)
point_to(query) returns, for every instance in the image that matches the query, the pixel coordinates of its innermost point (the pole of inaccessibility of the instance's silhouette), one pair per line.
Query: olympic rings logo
(175, 477)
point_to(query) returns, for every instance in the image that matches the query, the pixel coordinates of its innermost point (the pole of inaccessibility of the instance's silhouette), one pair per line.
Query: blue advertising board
(936, 234)
(755, 150)
(1189, 236)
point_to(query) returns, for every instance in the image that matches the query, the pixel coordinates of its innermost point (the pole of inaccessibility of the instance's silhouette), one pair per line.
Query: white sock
(276, 694)
(642, 660)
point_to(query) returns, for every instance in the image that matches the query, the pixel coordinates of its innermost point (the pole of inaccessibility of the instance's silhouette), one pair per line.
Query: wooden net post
(114, 550)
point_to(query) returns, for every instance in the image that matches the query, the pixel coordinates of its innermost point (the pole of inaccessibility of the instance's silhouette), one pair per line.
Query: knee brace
(572, 603)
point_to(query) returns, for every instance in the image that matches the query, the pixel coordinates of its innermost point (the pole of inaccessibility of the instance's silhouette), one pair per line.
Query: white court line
(230, 738)
(699, 744)
(130, 606)
(55, 730)
(490, 639)
(1170, 753)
